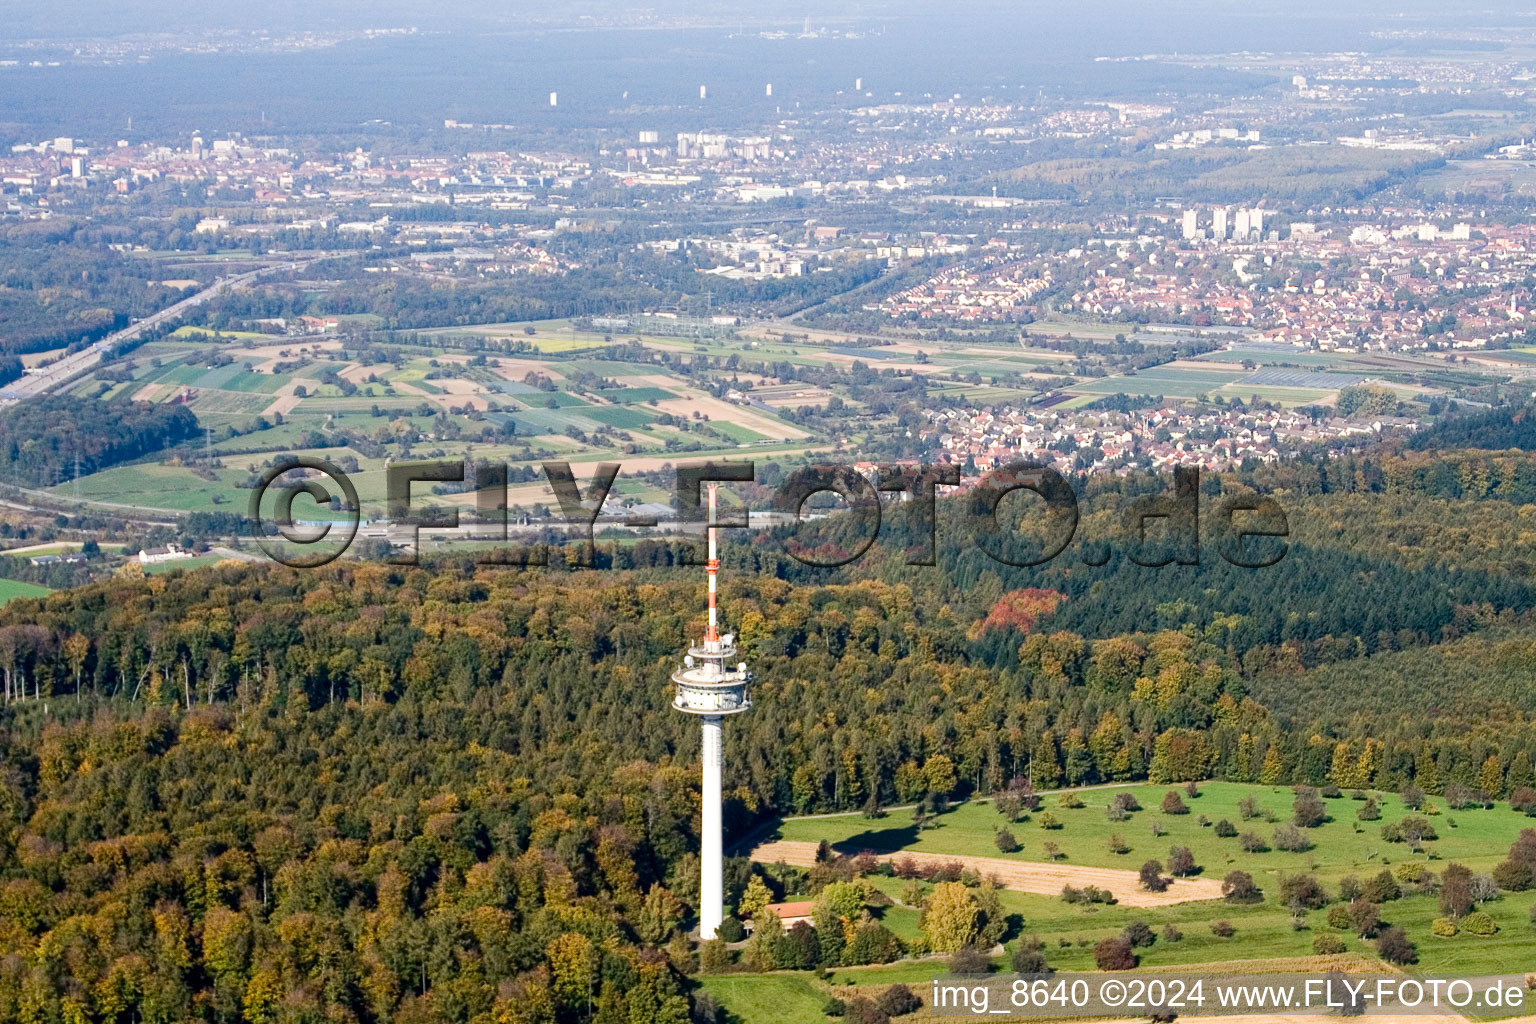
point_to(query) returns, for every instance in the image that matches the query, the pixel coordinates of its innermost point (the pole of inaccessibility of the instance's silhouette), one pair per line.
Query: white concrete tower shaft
(711, 841)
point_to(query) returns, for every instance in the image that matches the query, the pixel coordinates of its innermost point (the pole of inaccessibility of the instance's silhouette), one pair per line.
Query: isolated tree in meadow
(1114, 954)
(1459, 797)
(1291, 839)
(970, 960)
(1456, 891)
(1151, 877)
(1364, 917)
(1512, 876)
(1029, 958)
(1019, 798)
(898, 1000)
(864, 1010)
(1174, 804)
(1308, 811)
(1181, 863)
(1394, 946)
(1381, 887)
(1239, 887)
(1302, 892)
(1138, 934)
(1126, 801)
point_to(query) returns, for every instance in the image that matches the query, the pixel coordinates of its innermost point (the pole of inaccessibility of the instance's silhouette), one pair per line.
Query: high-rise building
(708, 687)
(1240, 225)
(768, 89)
(1256, 221)
(1191, 223)
(1219, 223)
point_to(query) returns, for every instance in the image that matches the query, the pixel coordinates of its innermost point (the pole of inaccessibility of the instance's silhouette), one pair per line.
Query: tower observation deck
(710, 686)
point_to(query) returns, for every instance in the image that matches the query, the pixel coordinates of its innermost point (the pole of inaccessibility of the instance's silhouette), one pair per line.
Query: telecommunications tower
(708, 687)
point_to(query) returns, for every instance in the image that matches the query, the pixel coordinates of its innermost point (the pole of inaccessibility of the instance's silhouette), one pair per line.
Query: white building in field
(169, 553)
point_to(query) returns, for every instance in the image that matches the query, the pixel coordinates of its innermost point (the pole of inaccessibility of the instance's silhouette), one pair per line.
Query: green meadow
(1265, 931)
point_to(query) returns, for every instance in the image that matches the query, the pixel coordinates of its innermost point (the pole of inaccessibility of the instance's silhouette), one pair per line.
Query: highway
(71, 366)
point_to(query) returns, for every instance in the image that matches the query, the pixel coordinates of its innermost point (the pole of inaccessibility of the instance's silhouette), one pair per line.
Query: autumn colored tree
(950, 919)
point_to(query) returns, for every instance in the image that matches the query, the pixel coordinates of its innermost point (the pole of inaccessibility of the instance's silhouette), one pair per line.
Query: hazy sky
(497, 62)
(31, 19)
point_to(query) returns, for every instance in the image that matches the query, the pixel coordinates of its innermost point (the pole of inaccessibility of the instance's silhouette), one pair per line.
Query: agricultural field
(1264, 933)
(1276, 356)
(1174, 382)
(1191, 378)
(198, 562)
(269, 395)
(10, 590)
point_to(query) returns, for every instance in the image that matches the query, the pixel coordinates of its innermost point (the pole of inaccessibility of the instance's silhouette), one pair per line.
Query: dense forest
(49, 440)
(58, 288)
(600, 282)
(1507, 427)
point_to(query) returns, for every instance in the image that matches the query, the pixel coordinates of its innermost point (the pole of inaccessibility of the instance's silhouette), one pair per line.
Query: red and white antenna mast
(712, 567)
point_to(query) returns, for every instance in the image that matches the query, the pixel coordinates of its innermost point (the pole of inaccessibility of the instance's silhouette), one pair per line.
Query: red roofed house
(792, 914)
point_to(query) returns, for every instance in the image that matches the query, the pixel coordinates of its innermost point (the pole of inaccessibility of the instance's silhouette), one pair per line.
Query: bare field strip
(1024, 876)
(715, 409)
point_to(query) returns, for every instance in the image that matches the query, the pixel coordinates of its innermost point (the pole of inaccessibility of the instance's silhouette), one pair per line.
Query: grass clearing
(1478, 838)
(781, 998)
(10, 590)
